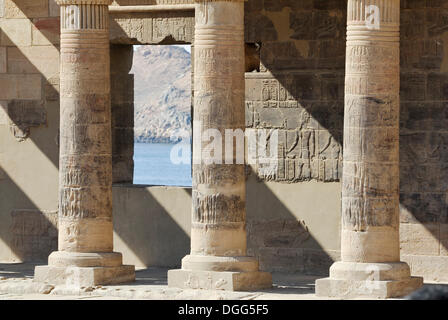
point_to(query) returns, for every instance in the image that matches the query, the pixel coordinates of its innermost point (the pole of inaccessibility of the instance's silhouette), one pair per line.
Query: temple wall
(423, 138)
(298, 90)
(293, 216)
(29, 124)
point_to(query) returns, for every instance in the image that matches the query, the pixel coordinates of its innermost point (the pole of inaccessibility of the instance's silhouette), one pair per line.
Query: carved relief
(25, 114)
(34, 234)
(218, 190)
(152, 28)
(216, 208)
(85, 133)
(310, 130)
(371, 125)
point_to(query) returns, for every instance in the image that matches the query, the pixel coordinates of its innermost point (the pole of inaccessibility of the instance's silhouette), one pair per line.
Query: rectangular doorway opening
(162, 115)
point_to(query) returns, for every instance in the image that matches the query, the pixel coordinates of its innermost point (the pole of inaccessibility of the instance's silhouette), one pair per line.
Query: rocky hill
(162, 89)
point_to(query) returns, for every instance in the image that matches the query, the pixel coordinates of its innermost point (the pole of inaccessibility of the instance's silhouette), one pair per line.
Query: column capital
(79, 2)
(373, 11)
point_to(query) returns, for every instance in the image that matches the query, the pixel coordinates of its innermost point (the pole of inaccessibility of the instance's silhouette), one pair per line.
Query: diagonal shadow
(29, 142)
(423, 138)
(309, 65)
(320, 94)
(292, 238)
(152, 224)
(27, 233)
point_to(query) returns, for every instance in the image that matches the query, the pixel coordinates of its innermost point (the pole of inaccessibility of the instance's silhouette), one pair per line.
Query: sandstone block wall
(29, 124)
(423, 137)
(298, 90)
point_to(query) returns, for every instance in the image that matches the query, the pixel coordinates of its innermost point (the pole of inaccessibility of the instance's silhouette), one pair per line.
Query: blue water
(153, 166)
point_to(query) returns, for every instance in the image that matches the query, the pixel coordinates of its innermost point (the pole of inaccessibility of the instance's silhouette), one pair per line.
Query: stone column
(218, 237)
(370, 246)
(85, 243)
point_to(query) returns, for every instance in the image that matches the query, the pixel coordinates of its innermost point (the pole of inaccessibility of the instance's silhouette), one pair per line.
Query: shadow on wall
(151, 28)
(299, 90)
(143, 2)
(282, 221)
(16, 270)
(275, 234)
(306, 90)
(150, 231)
(122, 113)
(152, 224)
(423, 135)
(28, 234)
(303, 48)
(29, 123)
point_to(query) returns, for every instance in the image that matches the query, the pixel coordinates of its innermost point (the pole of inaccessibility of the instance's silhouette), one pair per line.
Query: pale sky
(185, 46)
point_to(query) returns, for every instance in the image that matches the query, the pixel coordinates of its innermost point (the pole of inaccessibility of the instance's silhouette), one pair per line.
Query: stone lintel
(78, 2)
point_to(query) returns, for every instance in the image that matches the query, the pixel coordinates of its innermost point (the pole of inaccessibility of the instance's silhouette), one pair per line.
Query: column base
(84, 269)
(368, 280)
(219, 273)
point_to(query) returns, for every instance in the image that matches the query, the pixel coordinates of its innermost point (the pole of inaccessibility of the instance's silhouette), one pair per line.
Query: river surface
(153, 166)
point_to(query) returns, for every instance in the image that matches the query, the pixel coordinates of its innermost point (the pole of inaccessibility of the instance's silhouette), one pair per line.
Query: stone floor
(16, 284)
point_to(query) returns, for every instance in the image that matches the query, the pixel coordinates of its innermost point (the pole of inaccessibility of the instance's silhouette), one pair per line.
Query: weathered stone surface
(46, 31)
(4, 118)
(224, 280)
(35, 59)
(151, 28)
(84, 277)
(349, 289)
(143, 2)
(25, 8)
(218, 232)
(444, 239)
(219, 113)
(3, 63)
(25, 114)
(122, 113)
(34, 234)
(419, 239)
(298, 90)
(421, 54)
(431, 268)
(52, 89)
(20, 86)
(422, 207)
(54, 9)
(85, 179)
(370, 187)
(307, 150)
(370, 280)
(15, 32)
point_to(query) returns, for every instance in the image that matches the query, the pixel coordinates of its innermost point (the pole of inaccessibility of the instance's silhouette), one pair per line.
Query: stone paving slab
(16, 283)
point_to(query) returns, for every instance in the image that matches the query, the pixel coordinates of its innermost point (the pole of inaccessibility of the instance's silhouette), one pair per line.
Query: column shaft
(85, 243)
(218, 222)
(370, 246)
(218, 236)
(85, 180)
(370, 186)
